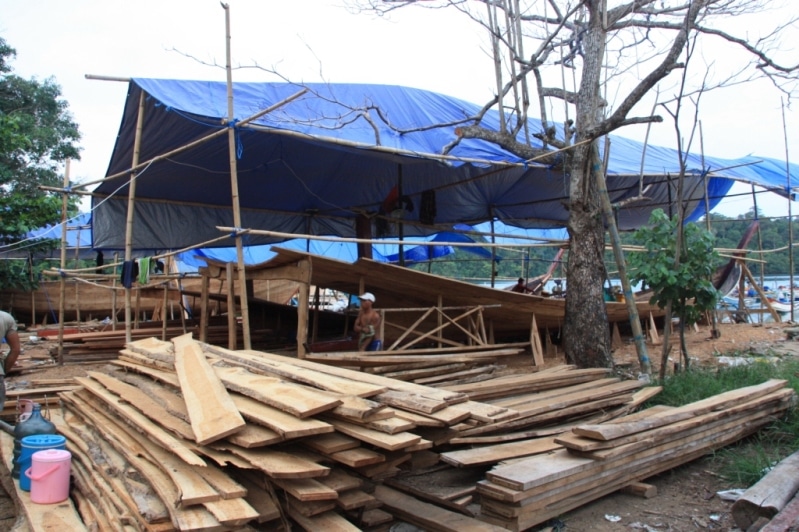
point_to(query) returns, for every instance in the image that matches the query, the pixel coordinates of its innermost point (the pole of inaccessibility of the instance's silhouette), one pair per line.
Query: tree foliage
(688, 286)
(37, 135)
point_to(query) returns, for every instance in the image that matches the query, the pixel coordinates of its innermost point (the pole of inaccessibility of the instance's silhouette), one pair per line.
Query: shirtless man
(367, 325)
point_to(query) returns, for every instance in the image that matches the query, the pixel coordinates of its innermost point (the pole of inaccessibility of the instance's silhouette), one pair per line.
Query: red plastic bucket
(49, 474)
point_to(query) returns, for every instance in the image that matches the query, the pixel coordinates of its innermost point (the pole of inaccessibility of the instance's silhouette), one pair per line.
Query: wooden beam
(212, 412)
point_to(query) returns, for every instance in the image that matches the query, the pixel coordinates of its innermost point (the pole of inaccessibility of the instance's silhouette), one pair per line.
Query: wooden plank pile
(598, 459)
(98, 346)
(208, 438)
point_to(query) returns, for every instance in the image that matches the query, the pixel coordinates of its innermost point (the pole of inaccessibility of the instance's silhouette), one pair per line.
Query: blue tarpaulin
(314, 165)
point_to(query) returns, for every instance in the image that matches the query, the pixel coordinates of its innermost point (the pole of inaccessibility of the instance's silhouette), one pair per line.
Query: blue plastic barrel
(31, 444)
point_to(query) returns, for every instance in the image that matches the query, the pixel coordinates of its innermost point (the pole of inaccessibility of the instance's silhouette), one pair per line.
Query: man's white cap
(367, 296)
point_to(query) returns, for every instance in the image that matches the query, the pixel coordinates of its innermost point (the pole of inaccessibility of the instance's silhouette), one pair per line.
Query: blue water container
(31, 444)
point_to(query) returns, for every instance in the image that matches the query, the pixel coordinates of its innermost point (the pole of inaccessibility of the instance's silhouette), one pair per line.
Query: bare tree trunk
(586, 331)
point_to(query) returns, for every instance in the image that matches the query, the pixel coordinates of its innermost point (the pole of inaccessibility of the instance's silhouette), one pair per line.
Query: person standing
(367, 324)
(9, 334)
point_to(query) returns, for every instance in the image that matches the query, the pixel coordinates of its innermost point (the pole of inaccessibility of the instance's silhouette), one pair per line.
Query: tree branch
(509, 143)
(668, 64)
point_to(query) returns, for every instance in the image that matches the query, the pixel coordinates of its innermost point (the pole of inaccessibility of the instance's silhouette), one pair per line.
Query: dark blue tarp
(314, 165)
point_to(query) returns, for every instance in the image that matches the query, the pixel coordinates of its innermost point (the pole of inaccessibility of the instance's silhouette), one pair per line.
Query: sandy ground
(687, 496)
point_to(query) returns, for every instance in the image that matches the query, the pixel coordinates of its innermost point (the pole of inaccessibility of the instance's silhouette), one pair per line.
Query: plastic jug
(33, 444)
(49, 476)
(35, 424)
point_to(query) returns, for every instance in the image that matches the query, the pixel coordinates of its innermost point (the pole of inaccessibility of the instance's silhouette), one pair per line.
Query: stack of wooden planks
(97, 346)
(207, 438)
(598, 459)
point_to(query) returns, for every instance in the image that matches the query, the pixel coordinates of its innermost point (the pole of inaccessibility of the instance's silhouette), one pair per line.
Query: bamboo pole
(231, 307)
(790, 209)
(763, 299)
(163, 312)
(615, 239)
(291, 236)
(204, 308)
(234, 189)
(114, 296)
(131, 206)
(77, 291)
(62, 300)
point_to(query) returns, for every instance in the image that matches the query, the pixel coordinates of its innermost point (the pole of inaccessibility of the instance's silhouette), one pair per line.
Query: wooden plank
(390, 442)
(391, 425)
(329, 522)
(298, 400)
(257, 359)
(578, 443)
(288, 426)
(341, 481)
(261, 500)
(141, 422)
(640, 489)
(716, 402)
(310, 508)
(356, 498)
(428, 516)
(514, 384)
(232, 512)
(142, 402)
(277, 464)
(306, 489)
(190, 518)
(212, 412)
(358, 457)
(146, 507)
(331, 443)
(192, 488)
(492, 454)
(255, 436)
(292, 369)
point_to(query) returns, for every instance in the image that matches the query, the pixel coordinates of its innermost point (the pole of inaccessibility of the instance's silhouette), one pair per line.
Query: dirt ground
(687, 496)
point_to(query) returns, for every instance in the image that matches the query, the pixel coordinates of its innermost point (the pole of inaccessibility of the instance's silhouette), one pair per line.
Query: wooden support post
(114, 319)
(231, 307)
(535, 344)
(204, 286)
(131, 207)
(759, 290)
(315, 325)
(382, 324)
(550, 350)
(62, 301)
(137, 309)
(639, 489)
(440, 317)
(653, 331)
(234, 187)
(163, 312)
(302, 318)
(616, 342)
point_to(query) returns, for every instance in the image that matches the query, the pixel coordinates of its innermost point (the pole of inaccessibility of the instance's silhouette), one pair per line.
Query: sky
(324, 40)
